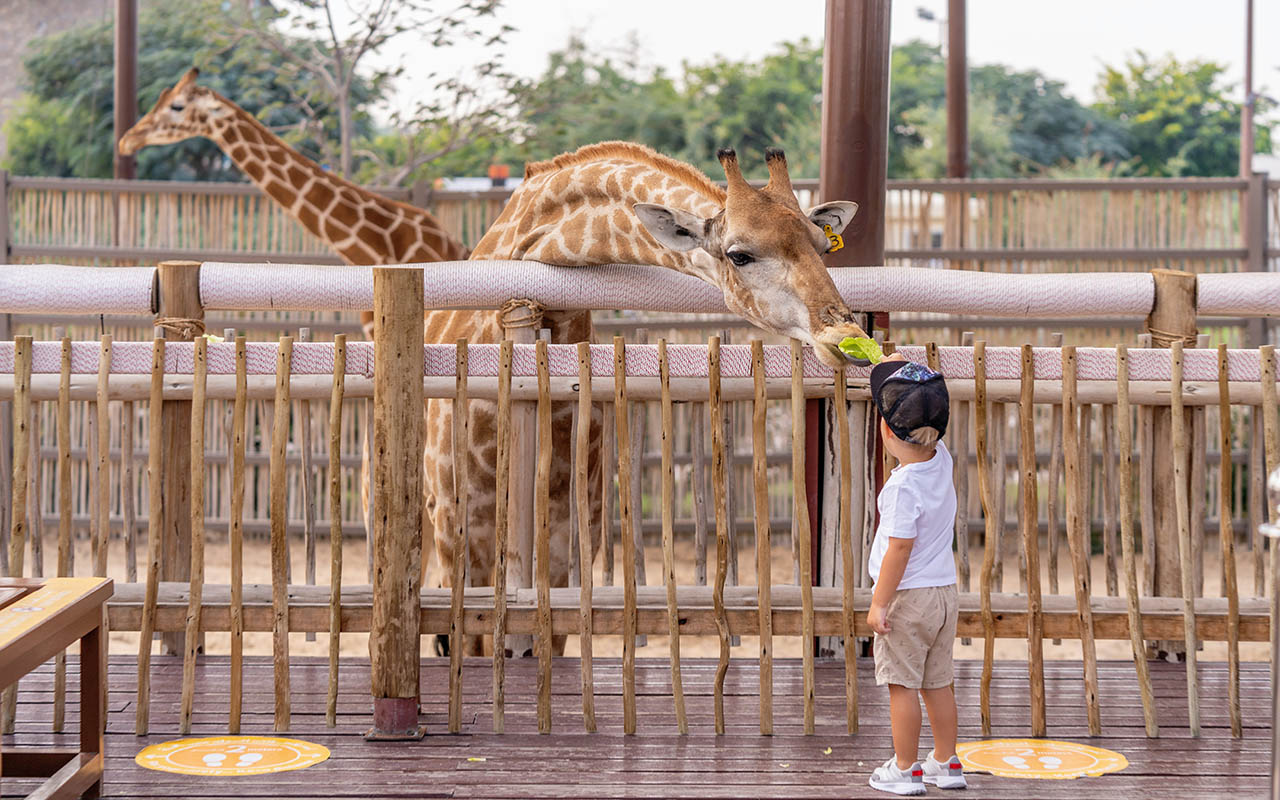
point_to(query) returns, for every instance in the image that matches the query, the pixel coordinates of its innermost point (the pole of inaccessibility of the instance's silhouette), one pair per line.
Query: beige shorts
(916, 652)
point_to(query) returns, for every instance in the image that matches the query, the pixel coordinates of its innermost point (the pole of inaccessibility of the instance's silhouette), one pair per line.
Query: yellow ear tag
(836, 241)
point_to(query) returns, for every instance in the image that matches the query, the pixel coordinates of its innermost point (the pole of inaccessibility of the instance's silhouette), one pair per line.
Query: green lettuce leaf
(862, 347)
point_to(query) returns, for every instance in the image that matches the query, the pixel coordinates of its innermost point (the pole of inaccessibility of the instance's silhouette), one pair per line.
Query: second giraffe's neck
(362, 226)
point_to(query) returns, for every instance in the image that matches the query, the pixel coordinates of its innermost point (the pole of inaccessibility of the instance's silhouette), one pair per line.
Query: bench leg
(92, 693)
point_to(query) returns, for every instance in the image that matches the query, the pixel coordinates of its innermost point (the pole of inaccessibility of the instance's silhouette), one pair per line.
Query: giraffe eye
(176, 106)
(740, 259)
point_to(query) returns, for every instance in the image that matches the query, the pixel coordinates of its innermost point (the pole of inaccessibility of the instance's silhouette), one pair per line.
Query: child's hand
(894, 356)
(878, 618)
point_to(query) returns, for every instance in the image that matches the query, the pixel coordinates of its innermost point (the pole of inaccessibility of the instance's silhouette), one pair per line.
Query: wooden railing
(1099, 422)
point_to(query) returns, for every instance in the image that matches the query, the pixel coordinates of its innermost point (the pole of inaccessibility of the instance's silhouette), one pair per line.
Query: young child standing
(914, 606)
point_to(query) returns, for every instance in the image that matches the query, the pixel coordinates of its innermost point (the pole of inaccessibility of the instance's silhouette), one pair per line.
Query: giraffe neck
(362, 226)
(579, 212)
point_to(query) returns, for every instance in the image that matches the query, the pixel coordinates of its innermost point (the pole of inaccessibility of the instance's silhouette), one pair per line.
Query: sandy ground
(257, 570)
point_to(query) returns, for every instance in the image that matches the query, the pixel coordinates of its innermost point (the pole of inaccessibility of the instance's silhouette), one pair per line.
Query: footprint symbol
(215, 759)
(249, 759)
(1018, 762)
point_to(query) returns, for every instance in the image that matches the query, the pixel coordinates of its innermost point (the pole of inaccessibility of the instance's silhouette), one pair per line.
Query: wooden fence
(1089, 434)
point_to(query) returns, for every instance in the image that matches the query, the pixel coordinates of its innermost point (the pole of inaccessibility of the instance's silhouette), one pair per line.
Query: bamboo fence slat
(720, 499)
(335, 521)
(581, 461)
(196, 592)
(501, 528)
(1227, 540)
(461, 449)
(623, 441)
(764, 560)
(1182, 502)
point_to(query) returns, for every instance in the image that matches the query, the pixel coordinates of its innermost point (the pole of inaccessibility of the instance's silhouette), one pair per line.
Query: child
(913, 609)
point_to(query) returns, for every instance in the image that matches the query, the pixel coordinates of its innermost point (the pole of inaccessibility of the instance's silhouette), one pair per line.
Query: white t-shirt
(918, 502)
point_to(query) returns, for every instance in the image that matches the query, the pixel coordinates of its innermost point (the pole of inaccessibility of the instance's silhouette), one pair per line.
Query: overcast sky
(1067, 41)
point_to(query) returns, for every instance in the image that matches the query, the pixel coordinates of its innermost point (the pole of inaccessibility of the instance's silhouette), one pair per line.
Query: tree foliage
(63, 126)
(1178, 116)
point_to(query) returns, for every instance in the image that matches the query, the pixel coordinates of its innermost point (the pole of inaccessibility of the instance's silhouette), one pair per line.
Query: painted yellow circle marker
(231, 756)
(1038, 758)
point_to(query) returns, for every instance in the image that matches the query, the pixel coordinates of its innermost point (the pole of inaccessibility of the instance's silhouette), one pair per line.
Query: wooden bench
(40, 618)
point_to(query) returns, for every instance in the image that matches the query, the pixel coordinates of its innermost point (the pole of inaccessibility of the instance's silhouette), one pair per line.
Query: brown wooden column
(1172, 318)
(126, 81)
(855, 123)
(957, 91)
(854, 165)
(397, 501)
(183, 318)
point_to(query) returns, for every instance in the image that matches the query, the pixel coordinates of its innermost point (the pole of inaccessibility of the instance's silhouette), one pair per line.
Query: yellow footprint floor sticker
(231, 756)
(1038, 758)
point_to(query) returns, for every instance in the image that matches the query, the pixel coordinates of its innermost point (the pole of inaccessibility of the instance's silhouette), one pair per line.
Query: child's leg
(904, 716)
(941, 705)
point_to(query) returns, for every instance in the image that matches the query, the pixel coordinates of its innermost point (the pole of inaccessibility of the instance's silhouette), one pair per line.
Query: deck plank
(657, 762)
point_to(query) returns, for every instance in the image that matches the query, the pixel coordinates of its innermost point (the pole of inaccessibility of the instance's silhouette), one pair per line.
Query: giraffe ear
(673, 228)
(838, 214)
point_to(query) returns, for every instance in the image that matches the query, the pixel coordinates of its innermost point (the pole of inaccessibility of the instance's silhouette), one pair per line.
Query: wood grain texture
(849, 567)
(18, 489)
(200, 371)
(394, 643)
(582, 499)
(627, 529)
(542, 541)
(239, 421)
(1077, 535)
(721, 505)
(1183, 509)
(668, 540)
(278, 500)
(989, 540)
(804, 546)
(64, 524)
(102, 467)
(1124, 439)
(335, 524)
(502, 485)
(764, 551)
(1027, 484)
(461, 450)
(1226, 539)
(155, 521)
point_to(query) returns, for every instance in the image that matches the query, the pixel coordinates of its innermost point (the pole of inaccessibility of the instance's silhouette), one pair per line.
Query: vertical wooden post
(126, 81)
(764, 550)
(622, 413)
(179, 301)
(279, 516)
(1031, 539)
(1255, 241)
(720, 495)
(524, 457)
(582, 455)
(1172, 318)
(397, 500)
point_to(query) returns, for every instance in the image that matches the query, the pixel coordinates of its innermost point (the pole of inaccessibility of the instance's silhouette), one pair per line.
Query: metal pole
(126, 81)
(1246, 111)
(957, 92)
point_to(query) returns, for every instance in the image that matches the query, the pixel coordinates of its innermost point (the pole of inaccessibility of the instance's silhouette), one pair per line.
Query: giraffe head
(766, 255)
(182, 112)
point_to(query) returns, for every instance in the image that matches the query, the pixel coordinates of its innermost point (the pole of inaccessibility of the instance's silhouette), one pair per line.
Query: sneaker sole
(947, 783)
(897, 787)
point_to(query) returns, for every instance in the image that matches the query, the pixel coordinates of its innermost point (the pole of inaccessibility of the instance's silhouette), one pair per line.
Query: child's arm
(891, 569)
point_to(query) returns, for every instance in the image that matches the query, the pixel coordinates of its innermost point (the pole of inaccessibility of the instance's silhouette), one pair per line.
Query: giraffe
(363, 227)
(618, 202)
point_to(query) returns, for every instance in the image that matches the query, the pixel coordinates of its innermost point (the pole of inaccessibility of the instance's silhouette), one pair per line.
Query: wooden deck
(658, 763)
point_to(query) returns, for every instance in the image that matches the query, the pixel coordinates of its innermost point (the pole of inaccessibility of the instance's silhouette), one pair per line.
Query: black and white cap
(913, 400)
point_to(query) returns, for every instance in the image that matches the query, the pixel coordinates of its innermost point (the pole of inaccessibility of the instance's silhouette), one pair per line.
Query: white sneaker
(944, 775)
(889, 778)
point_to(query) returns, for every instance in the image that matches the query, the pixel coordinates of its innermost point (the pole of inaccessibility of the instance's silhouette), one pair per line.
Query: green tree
(917, 79)
(1178, 115)
(991, 153)
(63, 126)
